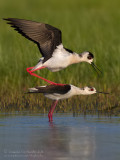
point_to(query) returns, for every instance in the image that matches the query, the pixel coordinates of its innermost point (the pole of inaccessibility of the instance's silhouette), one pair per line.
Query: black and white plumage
(57, 92)
(44, 35)
(49, 41)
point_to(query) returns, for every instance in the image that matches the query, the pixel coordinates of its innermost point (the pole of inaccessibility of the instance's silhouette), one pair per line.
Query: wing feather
(54, 89)
(45, 36)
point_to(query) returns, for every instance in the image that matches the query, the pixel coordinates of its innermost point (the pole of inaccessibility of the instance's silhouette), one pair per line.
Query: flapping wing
(44, 35)
(54, 89)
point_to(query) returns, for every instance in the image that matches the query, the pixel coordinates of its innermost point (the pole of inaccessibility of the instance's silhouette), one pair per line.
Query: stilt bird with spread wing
(49, 41)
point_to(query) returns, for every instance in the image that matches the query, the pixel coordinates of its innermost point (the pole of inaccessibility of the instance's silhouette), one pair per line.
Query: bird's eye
(90, 57)
(91, 89)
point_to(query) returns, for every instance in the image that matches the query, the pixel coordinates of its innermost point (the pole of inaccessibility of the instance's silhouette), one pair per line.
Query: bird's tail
(39, 64)
(32, 90)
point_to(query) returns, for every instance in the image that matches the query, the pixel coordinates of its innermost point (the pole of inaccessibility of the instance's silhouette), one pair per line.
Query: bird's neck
(75, 58)
(78, 91)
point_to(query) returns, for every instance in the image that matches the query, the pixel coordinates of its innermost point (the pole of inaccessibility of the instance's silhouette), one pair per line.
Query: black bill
(96, 68)
(103, 92)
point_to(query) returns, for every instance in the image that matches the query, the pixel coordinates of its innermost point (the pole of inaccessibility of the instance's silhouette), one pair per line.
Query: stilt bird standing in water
(49, 41)
(57, 92)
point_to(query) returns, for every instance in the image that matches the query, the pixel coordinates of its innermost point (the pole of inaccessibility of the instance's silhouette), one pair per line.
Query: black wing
(44, 35)
(54, 89)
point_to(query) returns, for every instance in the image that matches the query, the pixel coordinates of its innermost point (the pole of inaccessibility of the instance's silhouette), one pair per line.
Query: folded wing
(51, 89)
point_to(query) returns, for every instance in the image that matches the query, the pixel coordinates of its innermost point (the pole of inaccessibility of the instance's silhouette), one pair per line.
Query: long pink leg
(52, 110)
(33, 74)
(49, 114)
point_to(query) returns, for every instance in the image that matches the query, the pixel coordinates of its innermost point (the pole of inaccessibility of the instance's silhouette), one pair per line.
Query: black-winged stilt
(57, 92)
(49, 41)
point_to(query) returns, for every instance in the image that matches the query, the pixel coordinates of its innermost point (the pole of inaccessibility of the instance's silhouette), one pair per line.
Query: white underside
(56, 96)
(59, 60)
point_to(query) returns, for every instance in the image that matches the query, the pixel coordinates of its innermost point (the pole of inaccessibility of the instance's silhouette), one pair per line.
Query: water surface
(30, 136)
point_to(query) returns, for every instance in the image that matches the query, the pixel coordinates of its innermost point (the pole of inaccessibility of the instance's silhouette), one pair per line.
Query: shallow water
(30, 136)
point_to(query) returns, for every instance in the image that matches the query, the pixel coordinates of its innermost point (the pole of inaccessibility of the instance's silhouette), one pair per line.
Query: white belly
(55, 64)
(56, 96)
(59, 60)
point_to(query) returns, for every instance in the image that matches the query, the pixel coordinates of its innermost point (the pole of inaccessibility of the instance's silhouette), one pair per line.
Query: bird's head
(90, 90)
(88, 57)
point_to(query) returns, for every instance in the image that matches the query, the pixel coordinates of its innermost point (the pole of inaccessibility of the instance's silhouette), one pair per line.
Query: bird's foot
(28, 69)
(50, 117)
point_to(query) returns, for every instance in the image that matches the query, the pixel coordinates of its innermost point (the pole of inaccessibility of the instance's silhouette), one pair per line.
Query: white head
(86, 57)
(88, 90)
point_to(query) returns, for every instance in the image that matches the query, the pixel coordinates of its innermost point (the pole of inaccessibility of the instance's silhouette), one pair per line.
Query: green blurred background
(86, 25)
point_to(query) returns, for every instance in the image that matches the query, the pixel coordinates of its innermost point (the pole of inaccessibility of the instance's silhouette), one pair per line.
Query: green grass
(86, 26)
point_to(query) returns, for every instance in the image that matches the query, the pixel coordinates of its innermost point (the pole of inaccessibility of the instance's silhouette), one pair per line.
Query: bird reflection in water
(63, 142)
